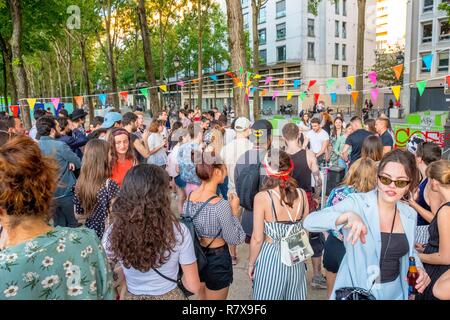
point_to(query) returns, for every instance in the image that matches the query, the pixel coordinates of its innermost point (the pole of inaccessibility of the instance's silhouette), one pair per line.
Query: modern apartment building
(390, 24)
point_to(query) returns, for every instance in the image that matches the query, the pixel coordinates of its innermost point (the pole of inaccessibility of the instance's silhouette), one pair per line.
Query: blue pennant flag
(102, 98)
(333, 97)
(297, 83)
(428, 60)
(252, 90)
(213, 77)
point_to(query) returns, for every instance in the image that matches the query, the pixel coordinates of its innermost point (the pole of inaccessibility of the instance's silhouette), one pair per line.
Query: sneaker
(319, 282)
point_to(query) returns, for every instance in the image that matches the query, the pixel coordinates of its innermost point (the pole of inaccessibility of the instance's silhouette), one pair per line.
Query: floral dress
(64, 264)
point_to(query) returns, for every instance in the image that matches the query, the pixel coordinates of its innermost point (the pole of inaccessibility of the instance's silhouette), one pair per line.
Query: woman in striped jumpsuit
(277, 207)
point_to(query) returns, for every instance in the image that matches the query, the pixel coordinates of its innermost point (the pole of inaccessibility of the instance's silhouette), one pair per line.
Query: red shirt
(120, 170)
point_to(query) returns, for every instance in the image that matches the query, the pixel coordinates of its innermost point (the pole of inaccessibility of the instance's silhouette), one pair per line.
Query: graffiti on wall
(402, 134)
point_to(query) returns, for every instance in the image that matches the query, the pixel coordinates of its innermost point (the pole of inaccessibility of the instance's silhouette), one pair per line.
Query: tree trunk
(135, 67)
(5, 81)
(161, 59)
(200, 56)
(58, 70)
(154, 103)
(236, 39)
(6, 49)
(70, 71)
(87, 82)
(111, 61)
(19, 68)
(360, 54)
(50, 74)
(256, 99)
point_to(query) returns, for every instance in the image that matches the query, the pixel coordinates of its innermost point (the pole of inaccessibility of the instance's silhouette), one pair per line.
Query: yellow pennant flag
(351, 81)
(240, 84)
(249, 83)
(31, 103)
(396, 91)
(289, 96)
(355, 95)
(257, 76)
(163, 87)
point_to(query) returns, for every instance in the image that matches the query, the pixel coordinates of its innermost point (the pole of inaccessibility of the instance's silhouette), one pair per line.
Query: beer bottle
(412, 276)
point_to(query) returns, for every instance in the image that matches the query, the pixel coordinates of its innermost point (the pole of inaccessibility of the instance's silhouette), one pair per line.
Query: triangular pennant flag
(180, 83)
(275, 94)
(214, 78)
(252, 91)
(289, 96)
(79, 101)
(297, 83)
(249, 75)
(194, 81)
(241, 70)
(355, 95)
(333, 96)
(316, 97)
(230, 74)
(240, 84)
(396, 92)
(263, 93)
(31, 103)
(55, 102)
(311, 83)
(428, 60)
(330, 83)
(268, 79)
(398, 71)
(163, 87)
(257, 76)
(247, 91)
(280, 82)
(236, 81)
(302, 96)
(374, 94)
(102, 98)
(447, 78)
(373, 77)
(351, 81)
(249, 83)
(124, 95)
(144, 92)
(421, 86)
(15, 110)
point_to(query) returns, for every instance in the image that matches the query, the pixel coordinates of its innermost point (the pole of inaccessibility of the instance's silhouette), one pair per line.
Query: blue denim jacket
(62, 153)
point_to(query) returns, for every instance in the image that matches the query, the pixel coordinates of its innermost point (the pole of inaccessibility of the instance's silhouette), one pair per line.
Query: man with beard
(140, 147)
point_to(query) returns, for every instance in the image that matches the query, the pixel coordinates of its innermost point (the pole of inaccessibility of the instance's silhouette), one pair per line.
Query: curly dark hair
(143, 235)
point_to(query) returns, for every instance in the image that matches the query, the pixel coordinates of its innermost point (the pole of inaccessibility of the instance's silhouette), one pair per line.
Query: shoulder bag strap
(165, 277)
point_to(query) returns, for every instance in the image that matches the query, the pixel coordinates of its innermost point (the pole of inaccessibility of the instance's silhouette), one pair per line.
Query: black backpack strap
(203, 206)
(165, 277)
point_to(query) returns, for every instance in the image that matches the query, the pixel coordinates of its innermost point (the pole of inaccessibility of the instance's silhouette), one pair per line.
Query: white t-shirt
(316, 139)
(159, 158)
(229, 136)
(172, 161)
(150, 283)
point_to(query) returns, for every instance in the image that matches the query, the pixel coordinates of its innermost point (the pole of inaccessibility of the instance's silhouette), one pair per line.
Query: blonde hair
(217, 140)
(440, 171)
(362, 175)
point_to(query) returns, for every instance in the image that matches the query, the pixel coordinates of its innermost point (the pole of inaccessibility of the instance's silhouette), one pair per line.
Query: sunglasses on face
(398, 183)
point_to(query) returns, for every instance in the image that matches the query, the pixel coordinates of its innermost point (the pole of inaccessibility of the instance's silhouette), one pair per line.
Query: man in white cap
(230, 155)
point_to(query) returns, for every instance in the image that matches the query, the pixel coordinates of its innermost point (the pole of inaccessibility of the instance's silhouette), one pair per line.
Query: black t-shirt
(387, 140)
(355, 140)
(138, 156)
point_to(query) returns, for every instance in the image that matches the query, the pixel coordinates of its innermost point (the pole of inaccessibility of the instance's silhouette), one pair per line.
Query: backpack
(247, 185)
(188, 221)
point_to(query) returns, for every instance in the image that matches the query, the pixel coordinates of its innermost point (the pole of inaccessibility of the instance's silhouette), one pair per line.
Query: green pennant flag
(241, 70)
(330, 83)
(302, 96)
(144, 92)
(249, 75)
(421, 86)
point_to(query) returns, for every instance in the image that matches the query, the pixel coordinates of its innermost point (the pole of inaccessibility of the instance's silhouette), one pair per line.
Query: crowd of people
(95, 214)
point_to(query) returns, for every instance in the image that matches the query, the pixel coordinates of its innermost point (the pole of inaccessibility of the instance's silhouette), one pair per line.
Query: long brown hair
(112, 146)
(94, 173)
(372, 148)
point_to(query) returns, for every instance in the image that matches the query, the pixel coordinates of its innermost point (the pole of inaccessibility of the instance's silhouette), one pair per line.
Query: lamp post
(176, 63)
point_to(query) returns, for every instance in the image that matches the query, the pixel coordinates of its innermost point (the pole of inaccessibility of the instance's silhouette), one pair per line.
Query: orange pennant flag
(79, 101)
(263, 93)
(355, 95)
(398, 71)
(280, 82)
(195, 81)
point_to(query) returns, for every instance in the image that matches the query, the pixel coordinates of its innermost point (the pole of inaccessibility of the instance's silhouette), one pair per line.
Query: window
(344, 52)
(244, 3)
(424, 66)
(310, 27)
(246, 25)
(336, 51)
(262, 36)
(262, 15)
(445, 30)
(281, 31)
(344, 30)
(344, 71)
(335, 71)
(443, 61)
(281, 8)
(336, 29)
(428, 5)
(427, 32)
(281, 53)
(344, 7)
(336, 6)
(263, 56)
(311, 55)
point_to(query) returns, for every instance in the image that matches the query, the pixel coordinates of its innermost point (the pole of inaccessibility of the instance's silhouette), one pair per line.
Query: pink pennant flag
(275, 94)
(374, 94)
(373, 77)
(268, 79)
(180, 83)
(55, 102)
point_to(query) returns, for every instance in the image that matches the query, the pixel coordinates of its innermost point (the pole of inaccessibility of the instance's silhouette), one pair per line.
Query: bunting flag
(396, 92)
(144, 92)
(268, 79)
(355, 95)
(214, 78)
(249, 83)
(447, 78)
(236, 81)
(230, 74)
(15, 110)
(311, 83)
(289, 96)
(249, 75)
(263, 93)
(421, 86)
(297, 83)
(374, 94)
(373, 77)
(55, 102)
(316, 97)
(302, 96)
(330, 83)
(281, 82)
(241, 70)
(195, 81)
(31, 103)
(240, 84)
(252, 91)
(333, 96)
(124, 95)
(79, 101)
(257, 76)
(180, 83)
(351, 81)
(428, 60)
(163, 87)
(102, 98)
(275, 94)
(398, 71)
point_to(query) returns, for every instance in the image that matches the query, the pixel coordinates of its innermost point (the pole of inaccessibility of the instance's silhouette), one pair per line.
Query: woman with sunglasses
(385, 227)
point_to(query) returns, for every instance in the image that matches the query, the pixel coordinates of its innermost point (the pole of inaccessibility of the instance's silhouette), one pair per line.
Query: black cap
(261, 128)
(78, 114)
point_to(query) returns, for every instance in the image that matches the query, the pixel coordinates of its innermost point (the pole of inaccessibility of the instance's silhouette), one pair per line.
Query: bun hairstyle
(205, 164)
(280, 162)
(440, 171)
(408, 161)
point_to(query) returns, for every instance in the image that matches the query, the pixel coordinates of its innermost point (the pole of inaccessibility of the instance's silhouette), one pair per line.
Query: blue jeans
(63, 215)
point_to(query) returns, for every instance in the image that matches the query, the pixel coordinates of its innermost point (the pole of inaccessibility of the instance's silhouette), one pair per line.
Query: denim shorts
(218, 274)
